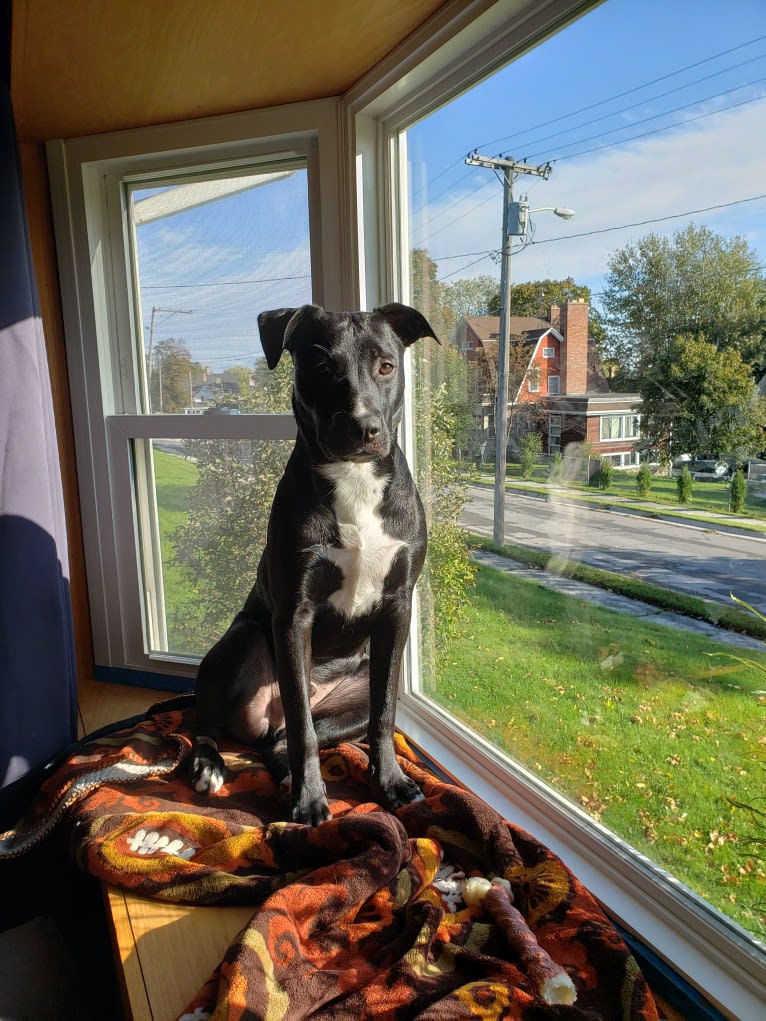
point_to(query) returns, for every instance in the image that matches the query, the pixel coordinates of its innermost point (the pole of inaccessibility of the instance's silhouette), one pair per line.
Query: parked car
(703, 468)
(710, 471)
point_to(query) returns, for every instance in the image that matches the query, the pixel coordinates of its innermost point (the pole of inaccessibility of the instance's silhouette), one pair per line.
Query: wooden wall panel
(35, 180)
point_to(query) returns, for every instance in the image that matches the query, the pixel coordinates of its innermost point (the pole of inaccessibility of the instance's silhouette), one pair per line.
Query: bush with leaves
(449, 569)
(556, 473)
(644, 480)
(531, 448)
(684, 484)
(219, 545)
(605, 474)
(737, 492)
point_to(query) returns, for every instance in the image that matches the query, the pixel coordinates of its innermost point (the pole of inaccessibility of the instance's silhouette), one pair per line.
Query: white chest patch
(366, 552)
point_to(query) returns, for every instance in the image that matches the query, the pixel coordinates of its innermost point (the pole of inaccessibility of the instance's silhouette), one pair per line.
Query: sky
(684, 131)
(651, 112)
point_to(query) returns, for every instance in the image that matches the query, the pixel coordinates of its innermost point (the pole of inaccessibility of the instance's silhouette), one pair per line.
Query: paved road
(677, 556)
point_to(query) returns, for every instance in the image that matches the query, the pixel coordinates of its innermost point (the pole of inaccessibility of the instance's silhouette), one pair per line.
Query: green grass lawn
(174, 479)
(634, 722)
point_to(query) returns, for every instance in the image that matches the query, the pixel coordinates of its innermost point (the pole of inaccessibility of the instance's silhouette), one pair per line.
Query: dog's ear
(407, 323)
(279, 327)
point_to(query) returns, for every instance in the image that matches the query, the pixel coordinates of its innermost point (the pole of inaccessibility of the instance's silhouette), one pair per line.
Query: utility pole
(512, 227)
(155, 310)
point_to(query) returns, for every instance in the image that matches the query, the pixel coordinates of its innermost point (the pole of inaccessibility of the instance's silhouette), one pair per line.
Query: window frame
(432, 67)
(89, 198)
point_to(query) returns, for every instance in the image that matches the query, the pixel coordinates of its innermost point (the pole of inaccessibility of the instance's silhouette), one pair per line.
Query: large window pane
(651, 299)
(209, 254)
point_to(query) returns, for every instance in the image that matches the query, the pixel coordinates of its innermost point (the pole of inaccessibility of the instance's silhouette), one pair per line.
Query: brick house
(557, 384)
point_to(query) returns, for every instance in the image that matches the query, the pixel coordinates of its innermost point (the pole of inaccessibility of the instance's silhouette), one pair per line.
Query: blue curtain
(38, 707)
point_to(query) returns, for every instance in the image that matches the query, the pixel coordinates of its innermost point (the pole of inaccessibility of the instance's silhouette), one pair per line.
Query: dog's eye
(386, 368)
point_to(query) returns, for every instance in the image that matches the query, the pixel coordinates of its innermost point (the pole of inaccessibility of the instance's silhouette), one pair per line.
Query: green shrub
(737, 492)
(604, 475)
(531, 448)
(556, 473)
(644, 480)
(684, 483)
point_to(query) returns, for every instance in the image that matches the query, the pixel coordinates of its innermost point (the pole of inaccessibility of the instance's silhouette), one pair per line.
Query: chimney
(573, 326)
(554, 314)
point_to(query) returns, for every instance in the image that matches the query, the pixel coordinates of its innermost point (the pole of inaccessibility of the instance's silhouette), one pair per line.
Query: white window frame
(90, 218)
(549, 352)
(460, 45)
(557, 391)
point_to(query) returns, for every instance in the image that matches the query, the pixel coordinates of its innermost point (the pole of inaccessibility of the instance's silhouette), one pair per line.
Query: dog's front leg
(292, 645)
(387, 641)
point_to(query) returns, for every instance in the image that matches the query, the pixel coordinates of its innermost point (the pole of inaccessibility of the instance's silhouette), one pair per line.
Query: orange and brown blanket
(361, 917)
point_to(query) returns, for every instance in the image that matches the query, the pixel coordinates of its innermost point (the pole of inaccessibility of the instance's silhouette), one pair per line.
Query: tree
(472, 297)
(427, 294)
(220, 543)
(699, 399)
(535, 297)
(173, 376)
(696, 284)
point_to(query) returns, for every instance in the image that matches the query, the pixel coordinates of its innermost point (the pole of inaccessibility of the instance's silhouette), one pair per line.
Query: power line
(627, 92)
(593, 106)
(608, 145)
(601, 230)
(666, 113)
(651, 99)
(225, 283)
(658, 219)
(655, 131)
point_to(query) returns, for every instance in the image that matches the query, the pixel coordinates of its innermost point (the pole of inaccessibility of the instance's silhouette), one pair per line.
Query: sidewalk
(620, 604)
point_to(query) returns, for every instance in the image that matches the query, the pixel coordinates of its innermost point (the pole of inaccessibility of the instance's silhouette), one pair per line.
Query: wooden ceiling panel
(81, 67)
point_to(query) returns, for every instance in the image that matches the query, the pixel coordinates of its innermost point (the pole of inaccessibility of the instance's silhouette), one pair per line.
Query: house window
(182, 430)
(620, 427)
(491, 718)
(553, 385)
(611, 427)
(549, 352)
(554, 434)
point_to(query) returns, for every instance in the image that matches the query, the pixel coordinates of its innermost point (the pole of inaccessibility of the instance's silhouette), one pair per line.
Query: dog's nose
(369, 426)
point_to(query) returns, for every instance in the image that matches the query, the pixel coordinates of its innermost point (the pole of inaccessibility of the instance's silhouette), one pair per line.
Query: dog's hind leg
(235, 689)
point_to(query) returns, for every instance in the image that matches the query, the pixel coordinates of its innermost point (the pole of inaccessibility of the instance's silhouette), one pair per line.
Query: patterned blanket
(360, 917)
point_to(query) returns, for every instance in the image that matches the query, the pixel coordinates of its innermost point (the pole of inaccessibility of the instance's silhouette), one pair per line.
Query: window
(611, 427)
(620, 427)
(499, 715)
(553, 385)
(549, 352)
(182, 430)
(554, 434)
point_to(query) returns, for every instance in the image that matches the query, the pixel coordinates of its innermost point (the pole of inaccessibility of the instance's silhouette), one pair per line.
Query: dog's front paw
(398, 790)
(208, 771)
(310, 807)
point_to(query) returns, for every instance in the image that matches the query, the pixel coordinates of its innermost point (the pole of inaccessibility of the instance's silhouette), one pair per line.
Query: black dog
(313, 658)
